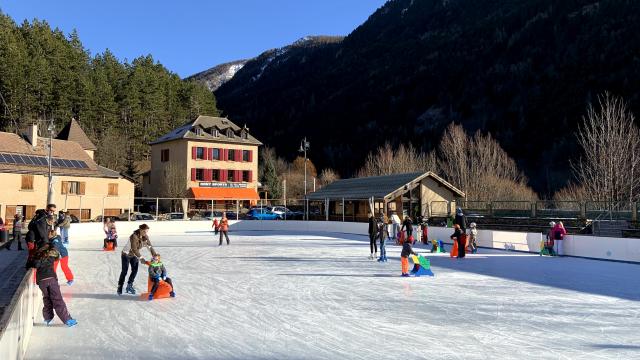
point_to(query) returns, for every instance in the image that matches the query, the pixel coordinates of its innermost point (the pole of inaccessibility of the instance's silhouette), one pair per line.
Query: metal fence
(91, 208)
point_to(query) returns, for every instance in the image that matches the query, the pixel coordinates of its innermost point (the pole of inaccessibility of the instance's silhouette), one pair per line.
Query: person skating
(131, 257)
(404, 257)
(373, 234)
(461, 220)
(57, 243)
(47, 281)
(458, 237)
(224, 228)
(395, 222)
(111, 234)
(64, 223)
(473, 238)
(382, 235)
(407, 225)
(16, 232)
(215, 226)
(158, 272)
(559, 232)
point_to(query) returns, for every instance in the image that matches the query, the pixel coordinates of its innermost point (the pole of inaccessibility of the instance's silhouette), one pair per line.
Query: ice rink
(317, 296)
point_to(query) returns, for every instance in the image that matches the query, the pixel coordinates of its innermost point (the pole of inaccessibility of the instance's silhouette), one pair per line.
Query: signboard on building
(222, 185)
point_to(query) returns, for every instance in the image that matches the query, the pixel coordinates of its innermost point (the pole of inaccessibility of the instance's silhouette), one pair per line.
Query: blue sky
(191, 36)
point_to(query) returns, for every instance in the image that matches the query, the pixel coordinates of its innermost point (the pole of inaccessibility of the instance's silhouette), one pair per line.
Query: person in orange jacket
(224, 228)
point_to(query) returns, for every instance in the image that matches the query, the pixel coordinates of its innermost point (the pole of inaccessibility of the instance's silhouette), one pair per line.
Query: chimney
(32, 135)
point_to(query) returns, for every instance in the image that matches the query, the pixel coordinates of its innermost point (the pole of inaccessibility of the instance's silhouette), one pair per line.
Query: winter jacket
(559, 232)
(395, 219)
(157, 270)
(43, 262)
(57, 244)
(38, 229)
(224, 224)
(407, 250)
(383, 232)
(456, 234)
(474, 233)
(65, 221)
(137, 242)
(407, 224)
(215, 225)
(373, 226)
(17, 226)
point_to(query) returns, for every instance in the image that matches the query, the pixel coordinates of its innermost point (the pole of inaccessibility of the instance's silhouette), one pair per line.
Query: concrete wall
(17, 321)
(619, 249)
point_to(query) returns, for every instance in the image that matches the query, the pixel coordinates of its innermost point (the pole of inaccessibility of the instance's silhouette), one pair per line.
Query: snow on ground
(317, 296)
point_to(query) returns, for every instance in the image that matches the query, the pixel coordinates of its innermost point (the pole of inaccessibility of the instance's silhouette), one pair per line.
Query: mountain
(216, 76)
(523, 70)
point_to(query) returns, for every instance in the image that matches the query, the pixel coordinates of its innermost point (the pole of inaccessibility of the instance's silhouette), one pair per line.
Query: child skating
(158, 272)
(382, 235)
(57, 243)
(404, 257)
(47, 281)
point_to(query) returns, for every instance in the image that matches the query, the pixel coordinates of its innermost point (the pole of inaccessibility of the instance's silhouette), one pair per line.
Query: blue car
(262, 214)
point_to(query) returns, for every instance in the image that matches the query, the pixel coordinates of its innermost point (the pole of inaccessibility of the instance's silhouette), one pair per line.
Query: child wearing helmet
(158, 272)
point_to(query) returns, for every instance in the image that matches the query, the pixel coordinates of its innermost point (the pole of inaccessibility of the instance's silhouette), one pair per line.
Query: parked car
(134, 217)
(261, 214)
(175, 216)
(286, 213)
(206, 215)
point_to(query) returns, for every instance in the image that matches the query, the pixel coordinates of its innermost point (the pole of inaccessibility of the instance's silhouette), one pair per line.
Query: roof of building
(377, 187)
(206, 125)
(14, 144)
(73, 132)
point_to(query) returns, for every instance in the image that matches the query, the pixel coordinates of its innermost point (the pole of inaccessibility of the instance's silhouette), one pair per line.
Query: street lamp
(304, 146)
(51, 129)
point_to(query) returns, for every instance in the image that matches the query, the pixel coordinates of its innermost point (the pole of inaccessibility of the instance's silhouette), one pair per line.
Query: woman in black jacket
(373, 232)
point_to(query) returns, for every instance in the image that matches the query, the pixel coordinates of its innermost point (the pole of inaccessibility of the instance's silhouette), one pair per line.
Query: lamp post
(51, 128)
(304, 146)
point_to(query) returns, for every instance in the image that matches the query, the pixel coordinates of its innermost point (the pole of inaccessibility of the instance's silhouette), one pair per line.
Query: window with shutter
(194, 151)
(113, 190)
(193, 174)
(82, 188)
(64, 188)
(27, 182)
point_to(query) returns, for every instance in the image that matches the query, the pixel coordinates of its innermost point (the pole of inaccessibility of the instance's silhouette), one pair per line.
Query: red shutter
(238, 155)
(223, 153)
(220, 154)
(250, 155)
(238, 176)
(223, 175)
(250, 179)
(194, 152)
(210, 154)
(193, 174)
(208, 175)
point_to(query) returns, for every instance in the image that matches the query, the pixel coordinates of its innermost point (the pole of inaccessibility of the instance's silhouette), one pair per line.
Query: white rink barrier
(606, 248)
(17, 321)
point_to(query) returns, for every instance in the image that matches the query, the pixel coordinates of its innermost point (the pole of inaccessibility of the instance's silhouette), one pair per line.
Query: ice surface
(317, 296)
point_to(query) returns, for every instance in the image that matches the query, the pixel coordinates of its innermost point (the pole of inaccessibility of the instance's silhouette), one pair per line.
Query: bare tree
(174, 183)
(480, 167)
(608, 170)
(327, 176)
(404, 159)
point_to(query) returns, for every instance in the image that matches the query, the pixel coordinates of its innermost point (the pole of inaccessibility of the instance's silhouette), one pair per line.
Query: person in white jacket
(395, 221)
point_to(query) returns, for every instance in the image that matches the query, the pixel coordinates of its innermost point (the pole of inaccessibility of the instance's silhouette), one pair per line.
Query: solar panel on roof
(67, 163)
(83, 165)
(41, 161)
(18, 159)
(9, 158)
(2, 159)
(75, 164)
(29, 160)
(56, 163)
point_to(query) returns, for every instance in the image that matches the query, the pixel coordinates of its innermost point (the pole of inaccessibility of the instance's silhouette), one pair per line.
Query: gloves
(164, 278)
(142, 260)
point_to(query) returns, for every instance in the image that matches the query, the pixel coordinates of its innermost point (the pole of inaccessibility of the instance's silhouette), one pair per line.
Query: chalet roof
(73, 132)
(378, 187)
(187, 131)
(13, 144)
